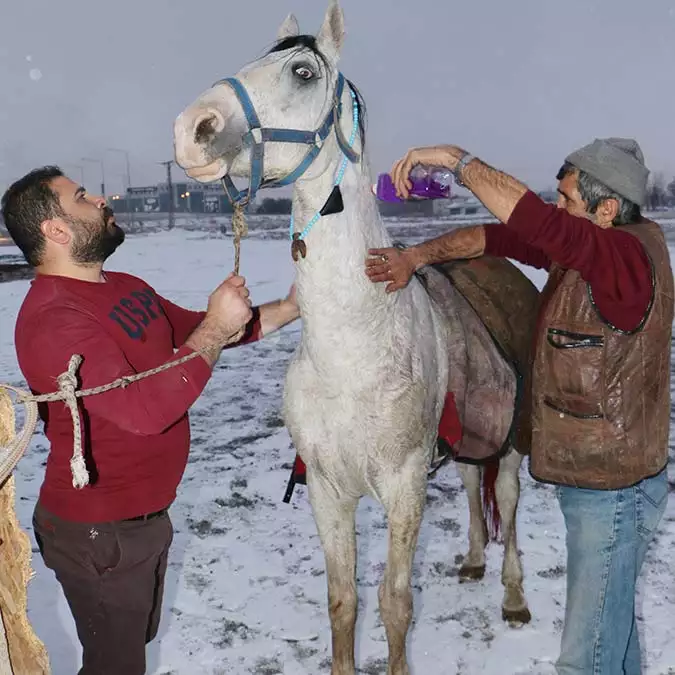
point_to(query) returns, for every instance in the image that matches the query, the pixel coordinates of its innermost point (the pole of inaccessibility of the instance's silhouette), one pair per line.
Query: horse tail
(490, 504)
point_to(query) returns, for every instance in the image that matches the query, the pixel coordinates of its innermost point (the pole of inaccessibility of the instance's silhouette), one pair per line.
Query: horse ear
(289, 28)
(331, 35)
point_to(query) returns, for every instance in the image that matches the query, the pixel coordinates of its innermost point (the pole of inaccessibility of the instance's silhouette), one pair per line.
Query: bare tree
(671, 192)
(656, 192)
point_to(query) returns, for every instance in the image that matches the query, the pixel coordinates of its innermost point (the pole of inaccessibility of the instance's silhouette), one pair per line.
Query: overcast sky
(519, 82)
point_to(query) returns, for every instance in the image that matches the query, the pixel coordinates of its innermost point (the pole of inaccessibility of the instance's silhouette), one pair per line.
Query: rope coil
(13, 445)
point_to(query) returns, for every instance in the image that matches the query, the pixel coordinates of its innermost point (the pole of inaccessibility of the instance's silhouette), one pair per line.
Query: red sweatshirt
(136, 439)
(611, 260)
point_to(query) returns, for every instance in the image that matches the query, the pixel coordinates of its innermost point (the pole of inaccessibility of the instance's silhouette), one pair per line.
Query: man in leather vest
(600, 378)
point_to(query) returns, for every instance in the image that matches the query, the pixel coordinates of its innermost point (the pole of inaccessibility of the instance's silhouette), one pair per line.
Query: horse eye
(304, 73)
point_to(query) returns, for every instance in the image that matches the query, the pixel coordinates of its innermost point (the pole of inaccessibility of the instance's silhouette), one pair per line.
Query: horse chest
(341, 393)
(350, 409)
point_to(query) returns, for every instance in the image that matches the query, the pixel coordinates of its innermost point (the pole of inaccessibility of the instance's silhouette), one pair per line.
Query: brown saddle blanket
(504, 304)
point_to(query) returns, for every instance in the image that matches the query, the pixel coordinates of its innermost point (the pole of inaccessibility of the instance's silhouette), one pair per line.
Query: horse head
(283, 108)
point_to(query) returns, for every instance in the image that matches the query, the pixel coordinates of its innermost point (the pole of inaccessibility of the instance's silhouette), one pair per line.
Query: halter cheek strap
(257, 136)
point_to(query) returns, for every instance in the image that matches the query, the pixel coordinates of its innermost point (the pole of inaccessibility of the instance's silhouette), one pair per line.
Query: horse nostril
(205, 129)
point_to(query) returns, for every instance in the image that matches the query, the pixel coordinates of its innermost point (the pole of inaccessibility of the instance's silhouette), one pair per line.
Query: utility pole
(128, 164)
(168, 164)
(127, 198)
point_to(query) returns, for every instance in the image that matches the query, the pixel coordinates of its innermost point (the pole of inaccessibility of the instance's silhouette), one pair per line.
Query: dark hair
(26, 204)
(593, 192)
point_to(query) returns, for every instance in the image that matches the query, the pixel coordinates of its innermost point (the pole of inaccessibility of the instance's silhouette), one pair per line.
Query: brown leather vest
(601, 396)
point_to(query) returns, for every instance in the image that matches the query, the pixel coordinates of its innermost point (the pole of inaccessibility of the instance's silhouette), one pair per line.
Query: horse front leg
(507, 489)
(334, 515)
(473, 565)
(404, 503)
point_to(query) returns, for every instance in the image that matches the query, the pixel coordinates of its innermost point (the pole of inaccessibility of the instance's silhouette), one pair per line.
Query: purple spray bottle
(428, 182)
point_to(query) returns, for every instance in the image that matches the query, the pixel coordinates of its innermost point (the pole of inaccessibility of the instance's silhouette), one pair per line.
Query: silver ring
(384, 258)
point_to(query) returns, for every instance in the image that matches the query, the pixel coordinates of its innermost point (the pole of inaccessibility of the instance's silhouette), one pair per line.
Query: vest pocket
(564, 411)
(564, 339)
(573, 374)
(572, 450)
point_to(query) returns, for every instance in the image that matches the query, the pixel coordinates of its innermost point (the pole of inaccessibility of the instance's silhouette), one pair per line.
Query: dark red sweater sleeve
(184, 321)
(147, 407)
(502, 242)
(611, 260)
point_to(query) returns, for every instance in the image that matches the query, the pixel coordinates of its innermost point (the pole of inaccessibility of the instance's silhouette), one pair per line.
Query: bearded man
(108, 542)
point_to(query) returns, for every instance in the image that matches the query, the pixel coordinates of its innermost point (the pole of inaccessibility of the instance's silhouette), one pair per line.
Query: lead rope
(12, 450)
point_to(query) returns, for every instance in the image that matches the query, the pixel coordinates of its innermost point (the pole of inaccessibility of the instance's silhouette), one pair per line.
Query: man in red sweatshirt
(600, 373)
(108, 542)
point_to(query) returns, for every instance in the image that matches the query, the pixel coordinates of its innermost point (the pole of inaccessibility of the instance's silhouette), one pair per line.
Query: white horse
(366, 388)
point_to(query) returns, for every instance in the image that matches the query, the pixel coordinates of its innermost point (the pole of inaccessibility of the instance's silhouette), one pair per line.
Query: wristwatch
(465, 159)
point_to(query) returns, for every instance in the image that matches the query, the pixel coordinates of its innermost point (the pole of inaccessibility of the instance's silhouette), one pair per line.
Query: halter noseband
(257, 136)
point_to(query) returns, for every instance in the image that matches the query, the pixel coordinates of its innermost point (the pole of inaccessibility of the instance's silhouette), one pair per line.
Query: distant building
(411, 209)
(461, 208)
(188, 197)
(194, 197)
(471, 208)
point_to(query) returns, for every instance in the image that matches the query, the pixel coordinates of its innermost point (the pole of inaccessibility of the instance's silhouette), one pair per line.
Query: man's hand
(228, 312)
(229, 308)
(277, 314)
(498, 191)
(292, 299)
(437, 155)
(391, 264)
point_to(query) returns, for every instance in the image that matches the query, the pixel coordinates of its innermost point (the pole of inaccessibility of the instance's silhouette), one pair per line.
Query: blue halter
(257, 136)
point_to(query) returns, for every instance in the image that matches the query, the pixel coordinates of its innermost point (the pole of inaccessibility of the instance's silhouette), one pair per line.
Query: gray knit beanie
(616, 162)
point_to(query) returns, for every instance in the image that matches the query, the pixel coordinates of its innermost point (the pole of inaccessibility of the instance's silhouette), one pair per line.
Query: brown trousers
(112, 575)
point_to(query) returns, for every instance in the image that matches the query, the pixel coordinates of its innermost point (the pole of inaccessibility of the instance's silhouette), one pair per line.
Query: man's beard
(95, 241)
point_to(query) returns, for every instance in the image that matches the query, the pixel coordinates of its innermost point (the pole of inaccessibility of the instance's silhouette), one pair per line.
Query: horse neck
(337, 244)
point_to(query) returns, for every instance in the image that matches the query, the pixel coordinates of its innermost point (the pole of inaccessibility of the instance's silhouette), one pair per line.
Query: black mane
(297, 41)
(300, 42)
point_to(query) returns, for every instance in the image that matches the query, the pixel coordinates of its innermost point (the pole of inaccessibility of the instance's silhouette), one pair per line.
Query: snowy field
(246, 590)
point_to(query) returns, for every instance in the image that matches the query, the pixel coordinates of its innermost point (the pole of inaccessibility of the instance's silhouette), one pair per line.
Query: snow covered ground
(246, 585)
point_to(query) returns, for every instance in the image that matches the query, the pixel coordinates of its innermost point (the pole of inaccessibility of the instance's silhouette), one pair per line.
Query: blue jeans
(608, 533)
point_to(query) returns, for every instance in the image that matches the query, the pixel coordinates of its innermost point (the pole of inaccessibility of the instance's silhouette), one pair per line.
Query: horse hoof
(516, 617)
(471, 572)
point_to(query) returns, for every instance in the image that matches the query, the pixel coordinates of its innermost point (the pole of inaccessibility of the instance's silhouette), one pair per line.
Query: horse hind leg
(334, 515)
(507, 488)
(473, 565)
(405, 506)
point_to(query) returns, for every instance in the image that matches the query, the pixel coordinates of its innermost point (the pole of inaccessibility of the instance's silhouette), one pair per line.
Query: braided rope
(68, 392)
(239, 230)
